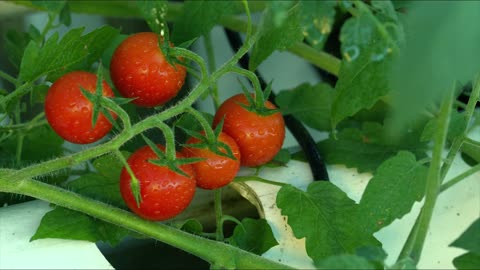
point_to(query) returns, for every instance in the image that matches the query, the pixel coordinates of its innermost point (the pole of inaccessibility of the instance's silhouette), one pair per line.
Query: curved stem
(203, 122)
(218, 213)
(258, 179)
(255, 82)
(182, 52)
(209, 250)
(169, 140)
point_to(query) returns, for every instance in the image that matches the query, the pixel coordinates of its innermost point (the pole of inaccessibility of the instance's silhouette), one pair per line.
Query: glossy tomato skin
(69, 112)
(258, 137)
(164, 192)
(139, 70)
(215, 171)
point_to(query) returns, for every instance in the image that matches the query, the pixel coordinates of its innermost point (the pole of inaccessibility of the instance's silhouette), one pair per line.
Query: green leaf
(99, 187)
(375, 255)
(323, 216)
(367, 148)
(15, 44)
(316, 20)
(436, 55)
(49, 5)
(191, 225)
(109, 166)
(199, 17)
(397, 184)
(253, 235)
(456, 127)
(276, 37)
(63, 223)
(345, 261)
(154, 13)
(467, 261)
(40, 143)
(65, 16)
(280, 159)
(470, 239)
(363, 76)
(73, 51)
(310, 104)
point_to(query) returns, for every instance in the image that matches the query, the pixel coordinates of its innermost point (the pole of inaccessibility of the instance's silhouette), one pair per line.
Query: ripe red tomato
(164, 193)
(139, 70)
(259, 137)
(215, 171)
(69, 112)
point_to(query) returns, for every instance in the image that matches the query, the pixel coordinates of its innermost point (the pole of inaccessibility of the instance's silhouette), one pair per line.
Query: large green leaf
(397, 184)
(198, 17)
(367, 48)
(323, 215)
(442, 37)
(368, 147)
(73, 51)
(310, 104)
(276, 33)
(253, 235)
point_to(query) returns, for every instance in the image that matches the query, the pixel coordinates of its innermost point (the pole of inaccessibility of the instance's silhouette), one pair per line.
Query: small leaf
(50, 6)
(73, 51)
(345, 261)
(310, 104)
(467, 261)
(98, 186)
(66, 224)
(15, 44)
(198, 18)
(109, 166)
(63, 223)
(470, 239)
(253, 235)
(316, 19)
(330, 210)
(190, 225)
(275, 37)
(65, 17)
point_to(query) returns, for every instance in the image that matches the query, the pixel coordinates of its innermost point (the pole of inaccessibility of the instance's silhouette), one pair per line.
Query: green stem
(414, 244)
(18, 92)
(258, 179)
(8, 78)
(459, 140)
(211, 68)
(169, 140)
(218, 213)
(209, 134)
(472, 149)
(178, 51)
(460, 177)
(23, 126)
(255, 82)
(209, 250)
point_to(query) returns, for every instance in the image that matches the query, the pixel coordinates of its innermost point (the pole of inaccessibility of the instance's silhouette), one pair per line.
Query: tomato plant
(258, 136)
(367, 148)
(215, 171)
(139, 70)
(69, 112)
(163, 193)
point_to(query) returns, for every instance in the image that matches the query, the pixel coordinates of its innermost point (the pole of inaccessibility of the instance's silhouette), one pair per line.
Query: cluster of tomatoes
(140, 71)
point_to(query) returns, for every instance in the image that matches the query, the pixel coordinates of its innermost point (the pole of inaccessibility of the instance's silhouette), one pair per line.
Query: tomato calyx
(99, 101)
(256, 101)
(213, 144)
(165, 161)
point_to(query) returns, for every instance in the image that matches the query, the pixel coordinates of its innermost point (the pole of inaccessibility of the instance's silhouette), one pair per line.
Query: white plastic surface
(19, 222)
